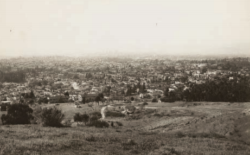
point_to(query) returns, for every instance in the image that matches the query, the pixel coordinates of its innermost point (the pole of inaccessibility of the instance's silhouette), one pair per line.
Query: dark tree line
(15, 76)
(236, 90)
(18, 114)
(133, 88)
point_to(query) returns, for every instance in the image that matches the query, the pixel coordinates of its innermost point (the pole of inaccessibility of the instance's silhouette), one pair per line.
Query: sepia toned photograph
(125, 77)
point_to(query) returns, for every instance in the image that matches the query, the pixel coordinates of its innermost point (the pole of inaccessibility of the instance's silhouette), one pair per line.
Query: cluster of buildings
(59, 79)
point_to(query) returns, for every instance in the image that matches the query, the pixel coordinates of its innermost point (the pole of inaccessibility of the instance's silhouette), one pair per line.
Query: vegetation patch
(52, 117)
(115, 114)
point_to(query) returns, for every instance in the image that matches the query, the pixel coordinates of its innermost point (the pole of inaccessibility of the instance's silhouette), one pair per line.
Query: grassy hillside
(173, 128)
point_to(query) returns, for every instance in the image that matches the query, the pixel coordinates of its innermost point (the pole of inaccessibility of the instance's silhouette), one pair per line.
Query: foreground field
(173, 128)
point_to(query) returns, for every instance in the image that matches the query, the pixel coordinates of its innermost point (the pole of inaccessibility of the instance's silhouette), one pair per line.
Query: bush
(97, 114)
(149, 111)
(31, 102)
(147, 145)
(37, 112)
(134, 117)
(130, 108)
(85, 118)
(180, 134)
(166, 99)
(81, 118)
(77, 117)
(115, 114)
(158, 115)
(154, 100)
(61, 100)
(119, 123)
(4, 107)
(52, 117)
(93, 118)
(99, 124)
(205, 135)
(18, 114)
(90, 138)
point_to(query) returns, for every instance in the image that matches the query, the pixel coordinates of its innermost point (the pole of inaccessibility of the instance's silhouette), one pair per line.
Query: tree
(81, 118)
(184, 79)
(98, 99)
(143, 88)
(52, 117)
(76, 76)
(172, 95)
(26, 95)
(66, 94)
(128, 91)
(18, 114)
(154, 100)
(77, 117)
(166, 92)
(32, 94)
(101, 95)
(85, 118)
(204, 70)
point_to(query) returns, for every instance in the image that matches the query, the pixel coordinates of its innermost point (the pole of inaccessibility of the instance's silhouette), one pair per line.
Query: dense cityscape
(63, 79)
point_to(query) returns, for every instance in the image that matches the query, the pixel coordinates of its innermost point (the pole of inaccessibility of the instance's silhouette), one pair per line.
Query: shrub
(52, 117)
(149, 111)
(82, 118)
(154, 100)
(93, 118)
(37, 112)
(130, 108)
(147, 145)
(171, 151)
(31, 101)
(158, 115)
(134, 117)
(115, 114)
(97, 114)
(85, 118)
(39, 101)
(62, 100)
(167, 99)
(77, 117)
(18, 114)
(205, 135)
(129, 144)
(4, 107)
(99, 124)
(66, 123)
(147, 133)
(119, 123)
(90, 138)
(180, 134)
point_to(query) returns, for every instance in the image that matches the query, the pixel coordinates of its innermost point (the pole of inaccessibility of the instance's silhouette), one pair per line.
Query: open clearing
(197, 128)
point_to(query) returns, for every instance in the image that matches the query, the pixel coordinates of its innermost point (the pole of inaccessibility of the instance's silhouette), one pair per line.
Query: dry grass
(33, 139)
(201, 129)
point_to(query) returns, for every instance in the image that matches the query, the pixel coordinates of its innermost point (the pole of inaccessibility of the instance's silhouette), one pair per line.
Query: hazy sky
(158, 26)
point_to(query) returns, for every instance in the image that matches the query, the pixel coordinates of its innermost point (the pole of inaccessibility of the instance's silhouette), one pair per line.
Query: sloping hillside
(163, 128)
